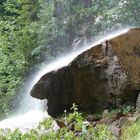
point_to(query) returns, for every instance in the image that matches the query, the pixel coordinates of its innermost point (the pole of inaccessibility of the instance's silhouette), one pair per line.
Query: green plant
(75, 129)
(128, 109)
(131, 131)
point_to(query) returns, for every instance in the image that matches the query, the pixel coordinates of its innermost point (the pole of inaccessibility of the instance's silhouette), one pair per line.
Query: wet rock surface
(105, 76)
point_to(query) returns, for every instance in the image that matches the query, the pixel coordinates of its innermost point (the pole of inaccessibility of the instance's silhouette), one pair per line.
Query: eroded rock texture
(107, 75)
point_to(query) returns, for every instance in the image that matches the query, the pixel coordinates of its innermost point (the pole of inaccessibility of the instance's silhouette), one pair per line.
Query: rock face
(105, 76)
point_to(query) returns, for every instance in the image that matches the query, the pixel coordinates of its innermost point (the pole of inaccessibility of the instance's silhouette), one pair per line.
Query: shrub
(75, 128)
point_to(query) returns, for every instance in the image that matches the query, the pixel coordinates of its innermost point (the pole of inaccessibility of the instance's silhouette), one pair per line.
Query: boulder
(102, 77)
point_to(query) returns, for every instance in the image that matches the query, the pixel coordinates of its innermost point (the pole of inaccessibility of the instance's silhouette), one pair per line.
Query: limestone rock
(107, 75)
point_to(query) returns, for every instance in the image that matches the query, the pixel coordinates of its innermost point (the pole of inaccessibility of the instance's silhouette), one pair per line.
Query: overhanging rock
(107, 75)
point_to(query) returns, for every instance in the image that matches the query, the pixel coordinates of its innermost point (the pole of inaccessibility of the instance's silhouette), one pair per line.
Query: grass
(131, 131)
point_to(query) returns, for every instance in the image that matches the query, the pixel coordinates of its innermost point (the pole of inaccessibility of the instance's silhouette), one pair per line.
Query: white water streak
(25, 121)
(65, 60)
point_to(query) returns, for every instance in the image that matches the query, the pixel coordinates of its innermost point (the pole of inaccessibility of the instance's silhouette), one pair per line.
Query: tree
(15, 51)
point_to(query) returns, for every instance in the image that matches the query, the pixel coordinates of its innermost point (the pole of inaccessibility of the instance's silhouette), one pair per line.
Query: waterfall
(33, 107)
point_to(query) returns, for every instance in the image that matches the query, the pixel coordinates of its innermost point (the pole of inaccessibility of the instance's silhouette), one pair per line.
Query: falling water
(33, 107)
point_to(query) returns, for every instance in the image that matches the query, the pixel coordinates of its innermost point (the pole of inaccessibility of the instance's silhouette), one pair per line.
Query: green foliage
(127, 109)
(16, 44)
(131, 131)
(75, 129)
(64, 24)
